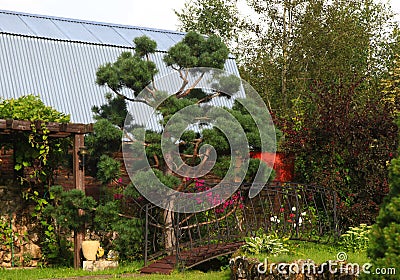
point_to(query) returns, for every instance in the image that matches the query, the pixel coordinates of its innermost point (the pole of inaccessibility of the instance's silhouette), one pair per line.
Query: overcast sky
(147, 13)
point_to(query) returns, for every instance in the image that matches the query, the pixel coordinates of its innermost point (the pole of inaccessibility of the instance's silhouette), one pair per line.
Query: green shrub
(269, 244)
(384, 249)
(108, 169)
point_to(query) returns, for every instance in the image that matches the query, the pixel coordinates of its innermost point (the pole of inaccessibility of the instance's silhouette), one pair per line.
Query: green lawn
(298, 250)
(47, 273)
(125, 271)
(317, 252)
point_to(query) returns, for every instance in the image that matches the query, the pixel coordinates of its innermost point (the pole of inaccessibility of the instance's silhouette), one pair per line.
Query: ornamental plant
(133, 73)
(236, 200)
(70, 211)
(355, 239)
(65, 208)
(263, 243)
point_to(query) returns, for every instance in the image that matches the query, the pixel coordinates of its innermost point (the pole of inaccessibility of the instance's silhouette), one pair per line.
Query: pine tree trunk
(168, 217)
(169, 231)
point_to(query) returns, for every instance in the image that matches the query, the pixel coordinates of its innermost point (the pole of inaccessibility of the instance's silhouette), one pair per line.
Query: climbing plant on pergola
(37, 134)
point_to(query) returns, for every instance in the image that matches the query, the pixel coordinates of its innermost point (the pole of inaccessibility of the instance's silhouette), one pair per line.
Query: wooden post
(79, 182)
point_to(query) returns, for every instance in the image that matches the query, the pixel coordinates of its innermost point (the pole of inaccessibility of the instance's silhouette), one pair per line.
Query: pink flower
(119, 180)
(282, 210)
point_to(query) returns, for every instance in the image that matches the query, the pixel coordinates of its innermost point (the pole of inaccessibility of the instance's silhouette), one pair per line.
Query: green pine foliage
(130, 70)
(195, 50)
(114, 110)
(108, 169)
(102, 143)
(384, 249)
(65, 206)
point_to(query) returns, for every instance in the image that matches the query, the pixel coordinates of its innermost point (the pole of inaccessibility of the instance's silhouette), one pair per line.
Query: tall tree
(285, 45)
(212, 17)
(319, 65)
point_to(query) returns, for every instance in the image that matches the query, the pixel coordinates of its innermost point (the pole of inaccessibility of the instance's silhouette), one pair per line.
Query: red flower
(282, 210)
(292, 215)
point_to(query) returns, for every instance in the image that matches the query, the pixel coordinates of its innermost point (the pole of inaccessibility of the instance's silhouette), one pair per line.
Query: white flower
(300, 220)
(303, 214)
(293, 209)
(275, 219)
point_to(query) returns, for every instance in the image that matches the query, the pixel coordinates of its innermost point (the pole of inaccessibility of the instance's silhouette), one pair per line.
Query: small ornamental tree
(190, 130)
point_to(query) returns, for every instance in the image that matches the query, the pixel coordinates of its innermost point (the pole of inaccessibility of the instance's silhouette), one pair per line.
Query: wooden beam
(53, 127)
(3, 124)
(21, 125)
(79, 181)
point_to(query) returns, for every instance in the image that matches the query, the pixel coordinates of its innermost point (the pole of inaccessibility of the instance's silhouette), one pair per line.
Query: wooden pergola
(59, 130)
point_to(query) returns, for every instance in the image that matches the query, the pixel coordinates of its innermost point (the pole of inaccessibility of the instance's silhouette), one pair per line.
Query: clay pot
(89, 249)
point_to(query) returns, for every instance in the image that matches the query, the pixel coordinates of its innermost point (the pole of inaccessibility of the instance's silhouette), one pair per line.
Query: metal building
(57, 58)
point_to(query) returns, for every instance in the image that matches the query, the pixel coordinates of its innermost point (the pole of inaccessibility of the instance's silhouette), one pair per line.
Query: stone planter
(243, 268)
(89, 249)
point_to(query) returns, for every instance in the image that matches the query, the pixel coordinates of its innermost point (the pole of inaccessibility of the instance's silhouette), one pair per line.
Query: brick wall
(63, 176)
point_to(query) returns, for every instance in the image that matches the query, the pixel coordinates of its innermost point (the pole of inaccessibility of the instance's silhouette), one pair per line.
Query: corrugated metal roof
(83, 31)
(57, 58)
